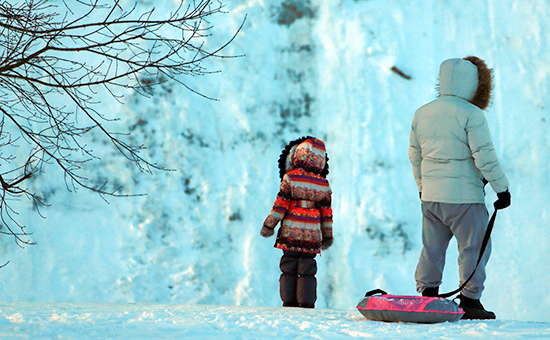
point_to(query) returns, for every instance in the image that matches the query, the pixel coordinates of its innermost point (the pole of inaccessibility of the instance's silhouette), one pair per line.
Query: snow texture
(163, 321)
(170, 260)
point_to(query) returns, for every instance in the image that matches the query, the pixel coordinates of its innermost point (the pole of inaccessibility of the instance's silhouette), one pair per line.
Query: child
(303, 207)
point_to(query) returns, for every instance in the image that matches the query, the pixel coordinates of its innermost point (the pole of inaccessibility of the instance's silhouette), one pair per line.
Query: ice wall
(310, 67)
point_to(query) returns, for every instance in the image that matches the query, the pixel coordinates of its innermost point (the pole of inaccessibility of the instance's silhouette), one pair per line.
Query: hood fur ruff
(482, 97)
(468, 78)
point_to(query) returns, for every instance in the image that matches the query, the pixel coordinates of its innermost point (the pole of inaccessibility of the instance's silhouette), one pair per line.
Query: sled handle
(375, 291)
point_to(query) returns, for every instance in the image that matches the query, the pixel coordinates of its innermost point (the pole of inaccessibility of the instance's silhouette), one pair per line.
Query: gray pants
(467, 223)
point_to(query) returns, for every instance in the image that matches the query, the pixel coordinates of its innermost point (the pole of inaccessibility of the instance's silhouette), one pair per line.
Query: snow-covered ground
(311, 67)
(162, 321)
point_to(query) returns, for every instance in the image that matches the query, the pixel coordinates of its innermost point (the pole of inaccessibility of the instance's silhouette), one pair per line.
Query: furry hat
(482, 96)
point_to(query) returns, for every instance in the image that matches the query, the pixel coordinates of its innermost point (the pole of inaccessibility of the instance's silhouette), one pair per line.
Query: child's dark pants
(298, 285)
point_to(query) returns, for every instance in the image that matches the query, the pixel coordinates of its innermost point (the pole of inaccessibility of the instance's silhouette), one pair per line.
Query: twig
(398, 71)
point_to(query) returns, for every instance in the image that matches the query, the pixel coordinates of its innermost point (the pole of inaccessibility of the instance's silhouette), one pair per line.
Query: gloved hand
(266, 232)
(503, 201)
(326, 243)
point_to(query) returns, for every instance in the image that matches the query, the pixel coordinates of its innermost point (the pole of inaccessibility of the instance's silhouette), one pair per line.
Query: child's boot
(306, 291)
(289, 278)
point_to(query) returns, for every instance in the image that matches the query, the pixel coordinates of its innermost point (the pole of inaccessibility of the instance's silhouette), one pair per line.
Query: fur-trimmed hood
(467, 78)
(306, 153)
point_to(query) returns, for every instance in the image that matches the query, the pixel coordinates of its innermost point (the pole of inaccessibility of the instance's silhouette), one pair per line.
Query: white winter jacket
(450, 144)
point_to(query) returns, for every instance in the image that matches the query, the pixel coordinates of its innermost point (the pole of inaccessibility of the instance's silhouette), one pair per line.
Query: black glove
(504, 200)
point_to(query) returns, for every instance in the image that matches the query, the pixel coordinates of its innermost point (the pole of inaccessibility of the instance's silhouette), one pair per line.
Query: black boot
(474, 310)
(290, 304)
(431, 291)
(307, 305)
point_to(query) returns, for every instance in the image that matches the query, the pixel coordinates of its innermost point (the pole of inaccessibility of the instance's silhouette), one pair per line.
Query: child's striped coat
(303, 205)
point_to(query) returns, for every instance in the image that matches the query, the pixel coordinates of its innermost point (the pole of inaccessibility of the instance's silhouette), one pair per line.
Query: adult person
(453, 157)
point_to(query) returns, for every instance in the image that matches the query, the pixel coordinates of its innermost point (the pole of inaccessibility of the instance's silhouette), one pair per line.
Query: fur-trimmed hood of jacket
(307, 153)
(467, 78)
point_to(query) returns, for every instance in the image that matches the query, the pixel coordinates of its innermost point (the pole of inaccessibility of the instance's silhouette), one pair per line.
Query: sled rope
(481, 252)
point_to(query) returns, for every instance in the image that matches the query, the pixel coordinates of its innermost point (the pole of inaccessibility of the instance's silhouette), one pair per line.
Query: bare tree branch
(53, 62)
